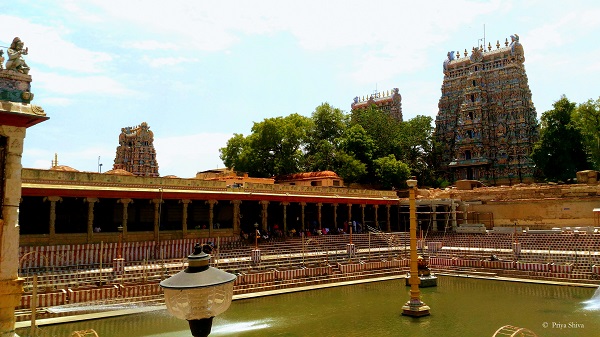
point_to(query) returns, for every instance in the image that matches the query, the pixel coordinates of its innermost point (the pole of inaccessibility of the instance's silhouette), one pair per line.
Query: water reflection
(459, 307)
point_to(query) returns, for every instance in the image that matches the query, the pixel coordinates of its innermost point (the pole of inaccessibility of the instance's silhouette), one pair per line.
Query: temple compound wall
(533, 206)
(486, 123)
(136, 153)
(387, 101)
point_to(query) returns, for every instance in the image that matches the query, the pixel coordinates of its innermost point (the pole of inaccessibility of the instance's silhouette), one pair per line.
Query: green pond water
(459, 307)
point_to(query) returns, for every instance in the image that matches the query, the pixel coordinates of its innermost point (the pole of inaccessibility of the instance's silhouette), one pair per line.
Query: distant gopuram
(486, 123)
(390, 102)
(136, 153)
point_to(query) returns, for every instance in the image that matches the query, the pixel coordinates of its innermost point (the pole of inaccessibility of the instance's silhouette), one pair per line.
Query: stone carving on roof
(15, 57)
(450, 57)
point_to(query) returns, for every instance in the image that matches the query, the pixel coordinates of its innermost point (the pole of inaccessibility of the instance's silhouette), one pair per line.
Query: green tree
(417, 147)
(391, 172)
(559, 153)
(328, 124)
(587, 118)
(381, 127)
(273, 148)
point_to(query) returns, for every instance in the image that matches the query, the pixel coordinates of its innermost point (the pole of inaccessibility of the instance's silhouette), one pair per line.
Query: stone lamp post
(198, 293)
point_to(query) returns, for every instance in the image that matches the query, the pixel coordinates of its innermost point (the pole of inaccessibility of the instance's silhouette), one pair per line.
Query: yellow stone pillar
(362, 211)
(52, 224)
(184, 215)
(125, 202)
(16, 115)
(319, 205)
(388, 221)
(264, 214)
(302, 206)
(375, 210)
(157, 210)
(335, 206)
(237, 217)
(211, 216)
(285, 204)
(90, 218)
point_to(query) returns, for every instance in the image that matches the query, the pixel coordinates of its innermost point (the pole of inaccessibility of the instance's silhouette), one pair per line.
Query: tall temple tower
(486, 123)
(136, 153)
(390, 102)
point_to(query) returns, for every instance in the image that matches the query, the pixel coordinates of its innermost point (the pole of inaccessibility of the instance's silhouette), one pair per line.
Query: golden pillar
(414, 307)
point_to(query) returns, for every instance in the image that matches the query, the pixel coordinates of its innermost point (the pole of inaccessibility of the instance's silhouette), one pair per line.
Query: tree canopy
(559, 153)
(367, 146)
(587, 119)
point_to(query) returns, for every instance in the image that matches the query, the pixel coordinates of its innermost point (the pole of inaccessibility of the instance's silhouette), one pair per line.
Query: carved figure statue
(514, 43)
(15, 57)
(1, 59)
(450, 58)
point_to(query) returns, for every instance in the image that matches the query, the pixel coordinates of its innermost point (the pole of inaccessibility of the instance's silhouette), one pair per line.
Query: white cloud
(183, 156)
(153, 45)
(54, 101)
(48, 47)
(72, 85)
(167, 61)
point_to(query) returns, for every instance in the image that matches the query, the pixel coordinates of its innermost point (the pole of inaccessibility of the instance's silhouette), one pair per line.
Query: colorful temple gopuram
(136, 153)
(390, 102)
(486, 121)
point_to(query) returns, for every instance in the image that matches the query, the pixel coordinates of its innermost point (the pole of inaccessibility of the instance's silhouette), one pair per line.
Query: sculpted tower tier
(486, 123)
(390, 102)
(136, 153)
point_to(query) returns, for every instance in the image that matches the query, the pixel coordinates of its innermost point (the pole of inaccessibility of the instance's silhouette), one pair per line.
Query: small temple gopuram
(136, 153)
(486, 123)
(388, 101)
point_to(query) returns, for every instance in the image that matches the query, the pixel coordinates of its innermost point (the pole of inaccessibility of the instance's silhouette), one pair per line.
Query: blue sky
(199, 71)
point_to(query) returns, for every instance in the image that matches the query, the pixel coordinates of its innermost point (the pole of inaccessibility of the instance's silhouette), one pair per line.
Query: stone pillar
(184, 204)
(319, 206)
(125, 202)
(52, 225)
(11, 286)
(90, 219)
(362, 211)
(435, 224)
(236, 216)
(375, 209)
(211, 216)
(264, 214)
(335, 206)
(388, 220)
(285, 204)
(16, 115)
(157, 205)
(302, 219)
(453, 213)
(349, 214)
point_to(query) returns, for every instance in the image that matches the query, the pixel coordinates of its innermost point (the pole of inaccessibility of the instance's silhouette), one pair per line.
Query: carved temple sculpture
(136, 153)
(390, 102)
(486, 123)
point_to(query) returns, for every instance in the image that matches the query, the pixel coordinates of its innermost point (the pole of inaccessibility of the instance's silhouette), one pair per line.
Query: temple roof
(119, 172)
(63, 168)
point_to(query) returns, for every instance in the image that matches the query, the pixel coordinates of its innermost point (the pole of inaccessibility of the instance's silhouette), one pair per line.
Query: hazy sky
(199, 71)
